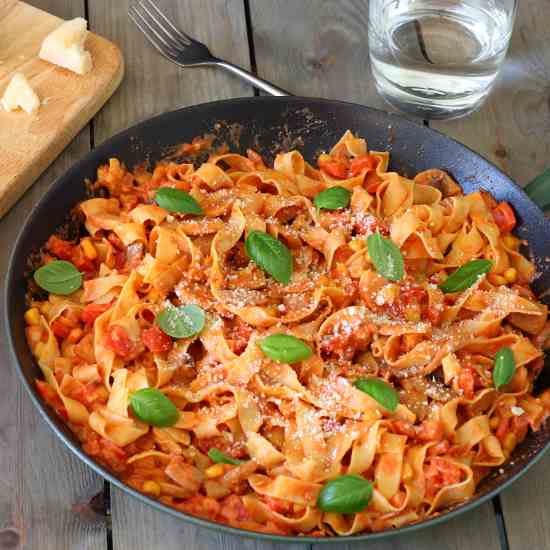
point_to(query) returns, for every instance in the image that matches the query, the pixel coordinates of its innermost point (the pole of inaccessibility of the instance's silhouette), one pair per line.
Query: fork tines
(159, 30)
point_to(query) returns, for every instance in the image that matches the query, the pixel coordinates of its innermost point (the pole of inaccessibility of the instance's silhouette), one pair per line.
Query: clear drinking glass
(438, 59)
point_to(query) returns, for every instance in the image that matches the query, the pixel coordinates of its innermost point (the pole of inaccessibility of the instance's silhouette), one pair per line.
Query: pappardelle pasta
(323, 350)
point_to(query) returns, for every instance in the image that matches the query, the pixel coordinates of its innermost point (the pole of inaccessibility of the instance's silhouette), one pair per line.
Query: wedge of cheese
(65, 46)
(20, 95)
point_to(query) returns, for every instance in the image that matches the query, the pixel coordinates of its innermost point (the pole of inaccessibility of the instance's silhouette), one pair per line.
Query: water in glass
(438, 58)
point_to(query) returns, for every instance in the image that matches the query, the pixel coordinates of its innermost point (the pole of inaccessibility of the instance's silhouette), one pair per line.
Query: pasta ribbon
(256, 439)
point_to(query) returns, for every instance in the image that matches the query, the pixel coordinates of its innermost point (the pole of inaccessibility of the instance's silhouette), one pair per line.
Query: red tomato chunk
(155, 340)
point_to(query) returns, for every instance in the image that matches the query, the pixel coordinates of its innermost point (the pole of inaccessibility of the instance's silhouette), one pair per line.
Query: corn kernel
(34, 335)
(153, 295)
(63, 363)
(511, 275)
(510, 242)
(412, 314)
(357, 244)
(67, 349)
(509, 442)
(508, 401)
(216, 470)
(75, 335)
(88, 248)
(389, 293)
(496, 280)
(276, 436)
(101, 249)
(408, 473)
(545, 399)
(494, 422)
(102, 393)
(32, 316)
(519, 381)
(71, 317)
(152, 488)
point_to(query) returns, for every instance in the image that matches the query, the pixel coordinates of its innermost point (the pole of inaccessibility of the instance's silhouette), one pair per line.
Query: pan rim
(54, 424)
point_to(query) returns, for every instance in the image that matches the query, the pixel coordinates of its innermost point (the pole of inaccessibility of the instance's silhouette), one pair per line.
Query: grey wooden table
(48, 499)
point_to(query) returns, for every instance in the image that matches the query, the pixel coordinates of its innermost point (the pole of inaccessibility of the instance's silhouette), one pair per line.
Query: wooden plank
(137, 526)
(320, 49)
(513, 130)
(316, 49)
(526, 509)
(475, 530)
(44, 490)
(154, 85)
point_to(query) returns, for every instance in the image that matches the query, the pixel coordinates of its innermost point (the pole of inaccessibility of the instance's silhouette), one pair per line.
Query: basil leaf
(181, 322)
(285, 348)
(386, 257)
(348, 494)
(153, 407)
(539, 190)
(332, 198)
(176, 200)
(505, 367)
(465, 276)
(380, 391)
(58, 277)
(270, 254)
(221, 458)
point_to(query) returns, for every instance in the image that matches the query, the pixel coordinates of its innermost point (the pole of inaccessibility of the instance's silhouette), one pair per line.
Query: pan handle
(257, 82)
(539, 190)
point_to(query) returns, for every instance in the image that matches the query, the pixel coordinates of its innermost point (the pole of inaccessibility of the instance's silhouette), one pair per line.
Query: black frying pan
(269, 125)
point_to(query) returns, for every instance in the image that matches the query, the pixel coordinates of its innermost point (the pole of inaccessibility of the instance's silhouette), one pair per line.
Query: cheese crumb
(517, 411)
(65, 46)
(19, 94)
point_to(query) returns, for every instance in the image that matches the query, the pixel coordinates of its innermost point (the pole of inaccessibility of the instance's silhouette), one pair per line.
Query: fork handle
(251, 79)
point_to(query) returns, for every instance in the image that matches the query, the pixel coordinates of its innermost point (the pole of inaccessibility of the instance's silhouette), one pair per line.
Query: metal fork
(182, 49)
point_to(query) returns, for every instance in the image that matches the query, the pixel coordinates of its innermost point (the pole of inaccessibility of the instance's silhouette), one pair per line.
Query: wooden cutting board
(29, 143)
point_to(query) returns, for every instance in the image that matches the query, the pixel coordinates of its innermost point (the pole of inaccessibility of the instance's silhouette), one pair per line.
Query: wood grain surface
(316, 49)
(474, 531)
(513, 130)
(311, 48)
(150, 528)
(29, 142)
(153, 84)
(44, 491)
